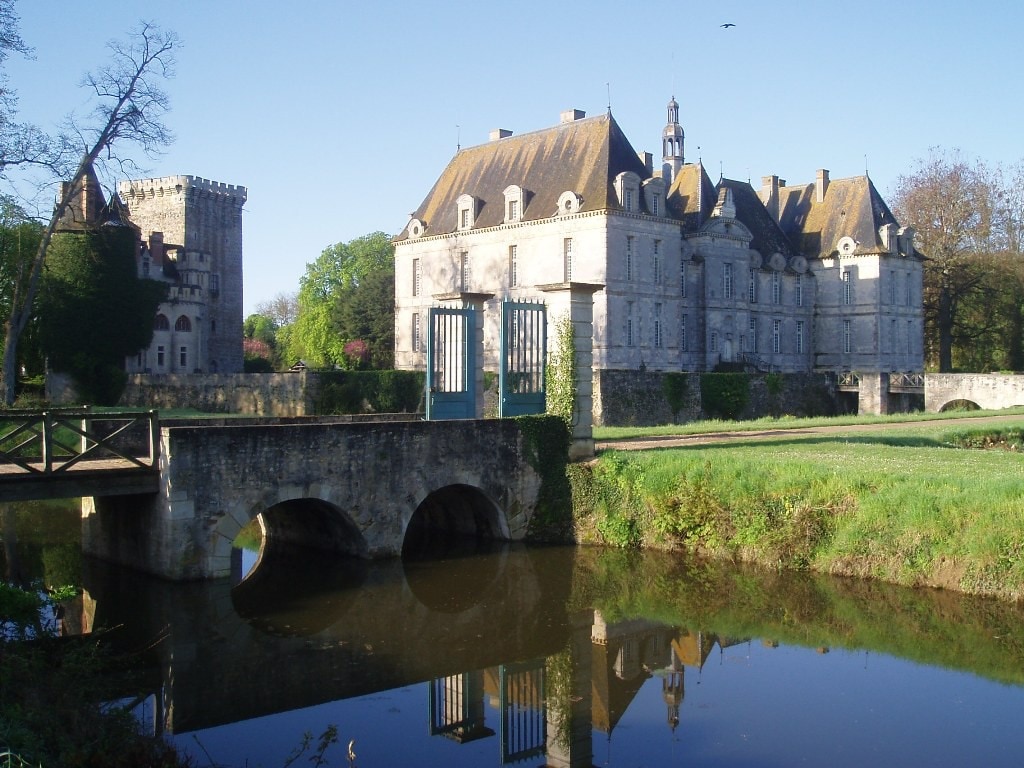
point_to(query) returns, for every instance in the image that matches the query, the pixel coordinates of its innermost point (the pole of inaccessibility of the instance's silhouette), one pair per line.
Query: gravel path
(677, 441)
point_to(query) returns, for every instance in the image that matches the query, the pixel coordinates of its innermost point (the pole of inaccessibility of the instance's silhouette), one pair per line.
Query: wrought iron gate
(451, 363)
(523, 355)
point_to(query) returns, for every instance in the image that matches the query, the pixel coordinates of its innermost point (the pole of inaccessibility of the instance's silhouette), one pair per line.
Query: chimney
(648, 160)
(156, 247)
(770, 195)
(500, 133)
(572, 115)
(821, 184)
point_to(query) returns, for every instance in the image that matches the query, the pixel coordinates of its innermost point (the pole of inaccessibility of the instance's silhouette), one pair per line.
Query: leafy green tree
(366, 313)
(259, 344)
(19, 240)
(94, 310)
(129, 107)
(315, 336)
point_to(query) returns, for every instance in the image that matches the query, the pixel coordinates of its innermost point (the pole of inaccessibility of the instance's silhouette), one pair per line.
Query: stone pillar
(577, 301)
(873, 394)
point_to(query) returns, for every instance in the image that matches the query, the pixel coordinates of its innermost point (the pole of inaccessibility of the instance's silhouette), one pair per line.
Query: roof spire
(672, 139)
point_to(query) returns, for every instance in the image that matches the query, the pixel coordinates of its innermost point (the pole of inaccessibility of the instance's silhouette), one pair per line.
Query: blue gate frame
(521, 380)
(451, 363)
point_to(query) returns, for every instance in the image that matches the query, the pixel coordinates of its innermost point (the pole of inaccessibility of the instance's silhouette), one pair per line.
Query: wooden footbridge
(74, 453)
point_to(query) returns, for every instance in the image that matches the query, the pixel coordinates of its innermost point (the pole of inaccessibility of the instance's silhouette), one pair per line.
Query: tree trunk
(944, 325)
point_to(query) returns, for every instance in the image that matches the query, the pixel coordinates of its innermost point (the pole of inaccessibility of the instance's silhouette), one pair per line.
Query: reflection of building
(548, 707)
(191, 230)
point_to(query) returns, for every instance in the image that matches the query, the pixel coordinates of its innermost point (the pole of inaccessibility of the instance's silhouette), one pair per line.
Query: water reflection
(566, 657)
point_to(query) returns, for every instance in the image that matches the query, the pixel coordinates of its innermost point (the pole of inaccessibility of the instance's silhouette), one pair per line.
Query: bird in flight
(727, 25)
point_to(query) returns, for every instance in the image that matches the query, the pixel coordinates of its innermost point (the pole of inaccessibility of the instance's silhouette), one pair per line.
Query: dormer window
(569, 202)
(627, 188)
(654, 196)
(415, 228)
(466, 206)
(515, 202)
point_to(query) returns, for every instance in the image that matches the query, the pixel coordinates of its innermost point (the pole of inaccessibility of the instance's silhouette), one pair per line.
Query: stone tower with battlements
(191, 232)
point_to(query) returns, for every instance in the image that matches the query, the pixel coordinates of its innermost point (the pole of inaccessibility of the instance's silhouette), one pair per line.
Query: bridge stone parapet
(362, 484)
(991, 391)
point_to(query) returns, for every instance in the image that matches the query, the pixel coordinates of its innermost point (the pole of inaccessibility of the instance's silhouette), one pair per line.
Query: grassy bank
(903, 503)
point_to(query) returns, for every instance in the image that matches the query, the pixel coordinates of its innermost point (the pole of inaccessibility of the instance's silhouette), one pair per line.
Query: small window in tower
(161, 323)
(183, 324)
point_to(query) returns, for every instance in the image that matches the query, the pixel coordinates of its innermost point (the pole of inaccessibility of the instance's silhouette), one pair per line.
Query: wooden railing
(906, 381)
(51, 442)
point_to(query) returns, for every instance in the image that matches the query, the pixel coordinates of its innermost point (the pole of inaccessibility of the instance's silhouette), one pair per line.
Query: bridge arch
(960, 404)
(453, 516)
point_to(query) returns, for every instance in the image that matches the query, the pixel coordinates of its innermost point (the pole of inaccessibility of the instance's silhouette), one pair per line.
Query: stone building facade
(697, 275)
(191, 230)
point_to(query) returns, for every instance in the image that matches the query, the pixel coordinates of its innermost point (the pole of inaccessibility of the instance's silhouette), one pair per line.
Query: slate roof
(750, 211)
(851, 207)
(583, 156)
(692, 196)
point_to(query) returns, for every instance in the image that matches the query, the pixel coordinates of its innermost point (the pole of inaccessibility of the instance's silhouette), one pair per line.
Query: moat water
(548, 656)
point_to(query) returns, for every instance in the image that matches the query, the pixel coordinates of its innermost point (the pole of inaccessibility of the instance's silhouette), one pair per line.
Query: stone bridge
(368, 490)
(991, 391)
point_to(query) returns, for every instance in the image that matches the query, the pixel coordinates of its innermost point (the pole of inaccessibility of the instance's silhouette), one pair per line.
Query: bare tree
(130, 106)
(282, 309)
(950, 202)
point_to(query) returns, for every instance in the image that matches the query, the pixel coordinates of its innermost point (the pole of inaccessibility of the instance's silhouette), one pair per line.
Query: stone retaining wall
(638, 398)
(258, 394)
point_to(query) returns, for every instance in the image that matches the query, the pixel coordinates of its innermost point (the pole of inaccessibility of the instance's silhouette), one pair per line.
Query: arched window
(160, 323)
(183, 324)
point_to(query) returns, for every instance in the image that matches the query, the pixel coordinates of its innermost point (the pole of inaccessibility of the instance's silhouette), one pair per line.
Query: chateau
(697, 275)
(191, 238)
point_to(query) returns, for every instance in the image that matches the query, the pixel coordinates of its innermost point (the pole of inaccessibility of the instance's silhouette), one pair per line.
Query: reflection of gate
(523, 351)
(523, 711)
(451, 363)
(457, 707)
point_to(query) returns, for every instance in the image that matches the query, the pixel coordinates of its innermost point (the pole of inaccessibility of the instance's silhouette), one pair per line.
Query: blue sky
(339, 116)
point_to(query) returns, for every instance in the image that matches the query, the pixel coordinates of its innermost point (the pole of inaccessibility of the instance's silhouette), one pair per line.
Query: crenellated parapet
(193, 188)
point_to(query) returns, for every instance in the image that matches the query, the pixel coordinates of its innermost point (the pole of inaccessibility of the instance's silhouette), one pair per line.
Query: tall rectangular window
(776, 287)
(776, 336)
(416, 277)
(567, 258)
(799, 337)
(682, 278)
(464, 271)
(513, 265)
(160, 356)
(753, 334)
(464, 218)
(714, 341)
(847, 287)
(416, 340)
(655, 205)
(629, 200)
(629, 258)
(727, 281)
(798, 291)
(752, 288)
(910, 336)
(892, 345)
(513, 210)
(657, 325)
(847, 337)
(892, 286)
(682, 334)
(629, 324)
(657, 261)
(908, 290)
(183, 358)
